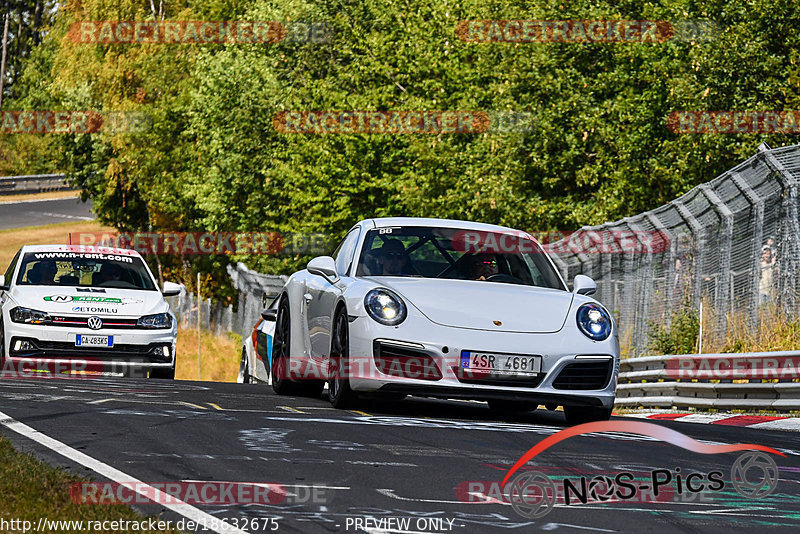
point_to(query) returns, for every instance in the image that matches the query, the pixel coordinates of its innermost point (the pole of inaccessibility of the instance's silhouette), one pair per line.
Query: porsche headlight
(159, 320)
(594, 322)
(28, 316)
(385, 306)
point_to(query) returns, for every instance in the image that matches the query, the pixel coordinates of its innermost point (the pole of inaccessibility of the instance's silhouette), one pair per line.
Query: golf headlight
(28, 316)
(594, 322)
(385, 306)
(159, 320)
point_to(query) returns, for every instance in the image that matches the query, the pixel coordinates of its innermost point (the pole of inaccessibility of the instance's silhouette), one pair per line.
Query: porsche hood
(484, 305)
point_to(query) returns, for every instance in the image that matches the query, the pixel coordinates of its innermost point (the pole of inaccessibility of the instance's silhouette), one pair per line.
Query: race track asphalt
(41, 212)
(411, 459)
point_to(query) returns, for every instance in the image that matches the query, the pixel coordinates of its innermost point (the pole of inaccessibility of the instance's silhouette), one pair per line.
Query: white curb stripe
(186, 510)
(703, 418)
(792, 423)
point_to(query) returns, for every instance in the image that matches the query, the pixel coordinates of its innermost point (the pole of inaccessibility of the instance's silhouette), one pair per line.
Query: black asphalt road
(407, 460)
(40, 212)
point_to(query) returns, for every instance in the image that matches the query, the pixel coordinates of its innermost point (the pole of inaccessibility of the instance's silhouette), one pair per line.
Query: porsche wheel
(339, 392)
(2, 344)
(280, 352)
(244, 369)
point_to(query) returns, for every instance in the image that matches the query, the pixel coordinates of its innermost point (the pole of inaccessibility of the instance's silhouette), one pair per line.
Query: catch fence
(732, 243)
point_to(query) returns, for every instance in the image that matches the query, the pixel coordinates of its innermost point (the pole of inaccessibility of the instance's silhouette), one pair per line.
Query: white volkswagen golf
(86, 308)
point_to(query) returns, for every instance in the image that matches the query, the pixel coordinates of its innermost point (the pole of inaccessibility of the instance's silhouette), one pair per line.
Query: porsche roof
(385, 222)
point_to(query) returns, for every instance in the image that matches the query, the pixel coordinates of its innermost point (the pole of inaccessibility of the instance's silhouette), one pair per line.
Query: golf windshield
(426, 252)
(76, 269)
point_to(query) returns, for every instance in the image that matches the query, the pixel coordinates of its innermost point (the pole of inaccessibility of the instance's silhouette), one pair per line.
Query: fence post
(199, 308)
(725, 248)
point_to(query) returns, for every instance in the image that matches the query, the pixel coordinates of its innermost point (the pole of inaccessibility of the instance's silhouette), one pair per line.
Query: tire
(504, 406)
(163, 374)
(577, 415)
(2, 344)
(339, 393)
(244, 369)
(280, 351)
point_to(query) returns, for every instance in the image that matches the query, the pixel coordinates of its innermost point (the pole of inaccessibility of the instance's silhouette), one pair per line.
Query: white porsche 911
(86, 308)
(445, 308)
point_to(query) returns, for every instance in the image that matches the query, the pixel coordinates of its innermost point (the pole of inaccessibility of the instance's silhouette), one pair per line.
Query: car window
(509, 257)
(11, 267)
(343, 256)
(79, 269)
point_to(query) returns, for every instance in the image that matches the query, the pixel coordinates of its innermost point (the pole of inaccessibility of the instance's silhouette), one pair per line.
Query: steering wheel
(502, 277)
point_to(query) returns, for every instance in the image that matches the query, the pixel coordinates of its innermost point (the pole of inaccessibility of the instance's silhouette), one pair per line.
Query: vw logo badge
(95, 323)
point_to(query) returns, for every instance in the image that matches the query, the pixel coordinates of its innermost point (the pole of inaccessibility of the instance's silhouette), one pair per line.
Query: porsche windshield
(74, 269)
(426, 252)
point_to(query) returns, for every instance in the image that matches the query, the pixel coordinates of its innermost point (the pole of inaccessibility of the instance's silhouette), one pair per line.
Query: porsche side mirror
(171, 289)
(270, 315)
(3, 286)
(325, 267)
(583, 285)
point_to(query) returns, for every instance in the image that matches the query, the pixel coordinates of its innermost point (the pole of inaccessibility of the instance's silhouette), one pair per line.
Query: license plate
(501, 364)
(94, 341)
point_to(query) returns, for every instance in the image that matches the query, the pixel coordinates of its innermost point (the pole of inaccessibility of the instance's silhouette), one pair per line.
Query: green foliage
(681, 336)
(600, 150)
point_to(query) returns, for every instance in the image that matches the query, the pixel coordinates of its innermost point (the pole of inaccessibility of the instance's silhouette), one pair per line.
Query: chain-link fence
(731, 243)
(256, 292)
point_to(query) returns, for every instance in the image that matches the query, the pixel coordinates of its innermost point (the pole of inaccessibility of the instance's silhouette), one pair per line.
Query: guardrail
(33, 183)
(747, 381)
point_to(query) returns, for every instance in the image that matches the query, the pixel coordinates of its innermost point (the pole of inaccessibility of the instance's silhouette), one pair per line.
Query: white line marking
(100, 401)
(186, 510)
(62, 216)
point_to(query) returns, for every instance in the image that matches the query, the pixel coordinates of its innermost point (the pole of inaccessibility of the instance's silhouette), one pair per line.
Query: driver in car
(109, 273)
(482, 266)
(392, 258)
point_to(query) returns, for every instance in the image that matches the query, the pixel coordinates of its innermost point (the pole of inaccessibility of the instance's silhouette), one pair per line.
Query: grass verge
(219, 356)
(32, 490)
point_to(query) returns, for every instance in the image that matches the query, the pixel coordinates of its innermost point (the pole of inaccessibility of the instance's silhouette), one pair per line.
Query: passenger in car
(43, 273)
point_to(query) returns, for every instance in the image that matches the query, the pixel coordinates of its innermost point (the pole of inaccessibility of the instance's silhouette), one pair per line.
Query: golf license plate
(501, 364)
(82, 340)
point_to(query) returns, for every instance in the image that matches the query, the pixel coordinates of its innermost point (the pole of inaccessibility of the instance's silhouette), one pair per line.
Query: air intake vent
(584, 375)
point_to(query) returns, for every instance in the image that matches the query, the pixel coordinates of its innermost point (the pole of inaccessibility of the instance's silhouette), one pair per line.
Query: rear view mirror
(3, 286)
(270, 315)
(171, 289)
(325, 267)
(583, 285)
